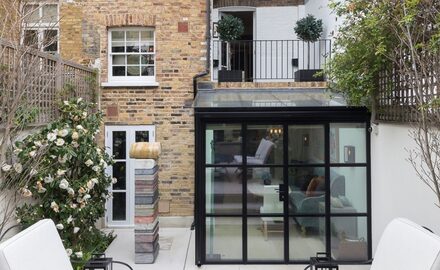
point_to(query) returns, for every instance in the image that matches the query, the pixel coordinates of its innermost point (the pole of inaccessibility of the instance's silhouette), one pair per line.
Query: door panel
(120, 208)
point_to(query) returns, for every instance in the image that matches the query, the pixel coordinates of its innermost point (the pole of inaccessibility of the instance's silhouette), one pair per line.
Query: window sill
(129, 84)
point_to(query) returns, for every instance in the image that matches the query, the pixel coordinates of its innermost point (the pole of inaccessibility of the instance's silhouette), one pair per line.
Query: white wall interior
(396, 189)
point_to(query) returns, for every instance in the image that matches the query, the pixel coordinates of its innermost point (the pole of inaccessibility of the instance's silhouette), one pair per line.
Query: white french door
(118, 140)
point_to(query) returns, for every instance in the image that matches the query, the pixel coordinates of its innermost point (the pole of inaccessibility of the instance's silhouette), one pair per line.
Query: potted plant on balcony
(308, 29)
(229, 29)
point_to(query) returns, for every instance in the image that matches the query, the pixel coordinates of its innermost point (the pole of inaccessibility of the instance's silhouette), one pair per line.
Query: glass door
(118, 140)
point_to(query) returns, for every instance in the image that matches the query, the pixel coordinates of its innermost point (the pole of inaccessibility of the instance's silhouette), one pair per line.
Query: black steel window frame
(285, 117)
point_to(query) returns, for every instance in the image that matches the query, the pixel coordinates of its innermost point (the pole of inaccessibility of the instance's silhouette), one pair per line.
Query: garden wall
(396, 189)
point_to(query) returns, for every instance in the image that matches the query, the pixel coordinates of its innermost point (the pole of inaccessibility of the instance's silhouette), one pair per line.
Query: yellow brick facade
(180, 55)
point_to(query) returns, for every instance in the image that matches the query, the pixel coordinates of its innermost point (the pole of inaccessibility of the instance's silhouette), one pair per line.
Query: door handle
(282, 192)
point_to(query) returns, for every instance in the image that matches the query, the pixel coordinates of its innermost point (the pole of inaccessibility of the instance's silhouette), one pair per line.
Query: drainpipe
(195, 79)
(208, 49)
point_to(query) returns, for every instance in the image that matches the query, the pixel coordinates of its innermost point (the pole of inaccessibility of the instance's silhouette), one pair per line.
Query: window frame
(129, 80)
(41, 26)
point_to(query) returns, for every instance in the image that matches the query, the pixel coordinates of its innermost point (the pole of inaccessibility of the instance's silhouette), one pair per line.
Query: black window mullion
(244, 191)
(327, 189)
(368, 182)
(286, 192)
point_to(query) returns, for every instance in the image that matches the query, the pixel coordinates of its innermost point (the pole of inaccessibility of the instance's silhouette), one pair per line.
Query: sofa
(307, 196)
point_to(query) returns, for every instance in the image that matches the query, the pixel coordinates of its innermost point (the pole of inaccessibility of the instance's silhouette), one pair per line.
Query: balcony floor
(177, 252)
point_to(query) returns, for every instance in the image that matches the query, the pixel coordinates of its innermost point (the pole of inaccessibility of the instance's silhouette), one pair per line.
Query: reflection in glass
(349, 190)
(306, 144)
(307, 192)
(306, 242)
(223, 238)
(142, 136)
(147, 70)
(223, 144)
(119, 172)
(119, 206)
(349, 238)
(263, 186)
(347, 143)
(118, 71)
(119, 147)
(223, 191)
(264, 144)
(133, 71)
(265, 238)
(118, 60)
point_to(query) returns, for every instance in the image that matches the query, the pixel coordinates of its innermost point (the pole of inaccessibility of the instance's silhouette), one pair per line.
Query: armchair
(261, 155)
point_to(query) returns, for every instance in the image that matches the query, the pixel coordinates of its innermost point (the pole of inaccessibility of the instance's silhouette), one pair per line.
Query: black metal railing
(261, 60)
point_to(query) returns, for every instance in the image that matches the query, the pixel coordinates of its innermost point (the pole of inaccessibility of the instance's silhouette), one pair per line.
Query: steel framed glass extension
(276, 184)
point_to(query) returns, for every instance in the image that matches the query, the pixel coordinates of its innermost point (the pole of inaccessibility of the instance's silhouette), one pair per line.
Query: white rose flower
(60, 226)
(59, 142)
(73, 205)
(87, 196)
(69, 220)
(75, 144)
(6, 167)
(69, 252)
(64, 184)
(84, 115)
(61, 172)
(79, 100)
(63, 133)
(70, 191)
(26, 192)
(96, 168)
(94, 180)
(75, 135)
(90, 185)
(51, 137)
(38, 143)
(17, 151)
(79, 254)
(32, 153)
(89, 163)
(66, 102)
(42, 190)
(75, 230)
(48, 179)
(62, 159)
(18, 168)
(114, 180)
(79, 127)
(54, 207)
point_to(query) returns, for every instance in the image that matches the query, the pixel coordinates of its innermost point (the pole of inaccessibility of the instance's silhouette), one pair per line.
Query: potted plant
(308, 29)
(229, 29)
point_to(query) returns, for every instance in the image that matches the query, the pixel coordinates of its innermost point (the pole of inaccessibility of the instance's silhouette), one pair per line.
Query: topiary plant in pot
(230, 28)
(308, 29)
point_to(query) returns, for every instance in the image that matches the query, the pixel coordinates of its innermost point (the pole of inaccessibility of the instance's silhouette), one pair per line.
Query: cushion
(314, 185)
(39, 247)
(405, 245)
(264, 149)
(345, 201)
(336, 202)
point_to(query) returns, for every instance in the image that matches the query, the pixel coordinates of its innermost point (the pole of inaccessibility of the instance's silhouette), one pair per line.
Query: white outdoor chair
(39, 247)
(406, 245)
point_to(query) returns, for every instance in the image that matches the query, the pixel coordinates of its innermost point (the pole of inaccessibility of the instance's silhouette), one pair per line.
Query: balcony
(269, 60)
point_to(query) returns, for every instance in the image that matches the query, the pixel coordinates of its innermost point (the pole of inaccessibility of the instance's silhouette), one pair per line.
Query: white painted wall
(321, 10)
(396, 190)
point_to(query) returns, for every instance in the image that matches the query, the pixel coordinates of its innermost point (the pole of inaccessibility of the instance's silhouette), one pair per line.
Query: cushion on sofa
(39, 247)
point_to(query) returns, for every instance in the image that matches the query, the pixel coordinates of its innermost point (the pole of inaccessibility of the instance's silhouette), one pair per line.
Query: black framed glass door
(279, 192)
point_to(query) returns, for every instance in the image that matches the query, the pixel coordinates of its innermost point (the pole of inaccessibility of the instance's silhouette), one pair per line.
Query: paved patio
(177, 252)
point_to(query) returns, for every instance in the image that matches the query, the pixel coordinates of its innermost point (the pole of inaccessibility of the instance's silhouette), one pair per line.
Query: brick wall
(180, 50)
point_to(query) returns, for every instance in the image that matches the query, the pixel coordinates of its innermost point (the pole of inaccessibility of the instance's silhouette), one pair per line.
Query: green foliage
(69, 184)
(360, 50)
(230, 28)
(309, 28)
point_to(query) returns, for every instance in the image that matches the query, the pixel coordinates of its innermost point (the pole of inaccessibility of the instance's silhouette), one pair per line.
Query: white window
(41, 26)
(118, 140)
(131, 57)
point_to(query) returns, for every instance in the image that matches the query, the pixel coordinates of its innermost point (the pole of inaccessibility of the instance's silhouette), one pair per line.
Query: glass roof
(245, 98)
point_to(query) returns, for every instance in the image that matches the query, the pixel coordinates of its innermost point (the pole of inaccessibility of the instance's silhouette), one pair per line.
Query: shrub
(309, 28)
(69, 184)
(230, 28)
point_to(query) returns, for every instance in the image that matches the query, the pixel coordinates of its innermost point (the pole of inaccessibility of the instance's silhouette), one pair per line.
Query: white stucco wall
(321, 10)
(396, 190)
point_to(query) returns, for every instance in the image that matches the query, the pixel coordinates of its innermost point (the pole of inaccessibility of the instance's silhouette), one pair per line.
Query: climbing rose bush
(69, 184)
